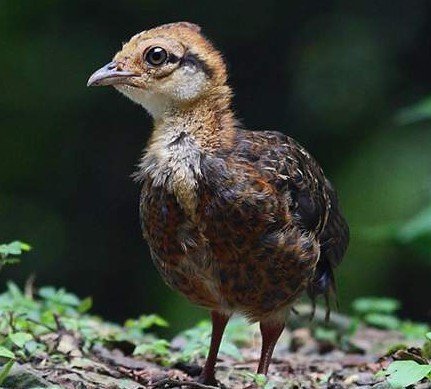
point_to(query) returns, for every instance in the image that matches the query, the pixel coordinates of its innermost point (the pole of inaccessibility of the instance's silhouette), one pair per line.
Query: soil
(300, 361)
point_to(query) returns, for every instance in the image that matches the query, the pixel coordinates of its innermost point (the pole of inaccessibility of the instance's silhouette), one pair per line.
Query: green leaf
(380, 374)
(85, 305)
(230, 349)
(159, 347)
(379, 320)
(20, 338)
(5, 353)
(146, 321)
(59, 296)
(69, 299)
(413, 330)
(5, 371)
(14, 290)
(32, 346)
(326, 335)
(428, 335)
(260, 379)
(13, 248)
(418, 227)
(47, 292)
(415, 113)
(405, 373)
(270, 385)
(375, 304)
(25, 246)
(238, 331)
(11, 261)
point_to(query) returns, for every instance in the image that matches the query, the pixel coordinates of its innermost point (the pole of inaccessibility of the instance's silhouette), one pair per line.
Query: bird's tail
(323, 283)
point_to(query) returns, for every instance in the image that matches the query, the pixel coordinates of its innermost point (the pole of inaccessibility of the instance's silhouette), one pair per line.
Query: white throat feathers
(172, 161)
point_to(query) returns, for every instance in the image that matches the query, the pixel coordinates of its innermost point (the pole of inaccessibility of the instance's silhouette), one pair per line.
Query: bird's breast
(178, 246)
(172, 162)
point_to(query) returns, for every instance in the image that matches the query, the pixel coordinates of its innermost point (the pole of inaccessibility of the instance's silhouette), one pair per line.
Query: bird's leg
(219, 321)
(270, 331)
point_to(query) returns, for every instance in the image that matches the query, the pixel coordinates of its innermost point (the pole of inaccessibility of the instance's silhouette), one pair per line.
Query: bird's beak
(110, 74)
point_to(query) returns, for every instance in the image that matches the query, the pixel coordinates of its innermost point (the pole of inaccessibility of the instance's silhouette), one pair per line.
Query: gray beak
(110, 75)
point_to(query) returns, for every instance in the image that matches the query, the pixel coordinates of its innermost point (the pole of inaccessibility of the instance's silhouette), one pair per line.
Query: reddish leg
(270, 334)
(219, 321)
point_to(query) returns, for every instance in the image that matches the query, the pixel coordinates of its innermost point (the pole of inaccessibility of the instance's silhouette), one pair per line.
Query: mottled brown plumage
(237, 221)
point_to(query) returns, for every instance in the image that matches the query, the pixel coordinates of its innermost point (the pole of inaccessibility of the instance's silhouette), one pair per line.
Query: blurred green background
(338, 76)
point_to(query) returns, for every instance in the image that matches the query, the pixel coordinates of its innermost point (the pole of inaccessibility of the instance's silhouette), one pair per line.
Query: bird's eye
(156, 56)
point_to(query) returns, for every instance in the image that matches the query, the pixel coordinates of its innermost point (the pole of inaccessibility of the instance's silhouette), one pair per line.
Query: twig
(58, 323)
(170, 383)
(11, 321)
(294, 310)
(29, 286)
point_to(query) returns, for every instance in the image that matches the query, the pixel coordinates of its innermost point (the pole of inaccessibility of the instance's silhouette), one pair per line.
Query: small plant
(327, 335)
(144, 322)
(401, 374)
(377, 312)
(412, 330)
(9, 256)
(10, 251)
(380, 312)
(26, 320)
(157, 348)
(259, 380)
(197, 340)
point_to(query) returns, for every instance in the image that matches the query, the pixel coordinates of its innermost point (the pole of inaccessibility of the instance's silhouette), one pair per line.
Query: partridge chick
(236, 220)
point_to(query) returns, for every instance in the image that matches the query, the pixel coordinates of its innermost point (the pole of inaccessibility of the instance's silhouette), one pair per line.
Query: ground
(307, 356)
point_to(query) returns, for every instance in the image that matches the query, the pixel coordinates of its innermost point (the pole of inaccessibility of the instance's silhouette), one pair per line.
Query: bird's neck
(172, 158)
(180, 137)
(207, 121)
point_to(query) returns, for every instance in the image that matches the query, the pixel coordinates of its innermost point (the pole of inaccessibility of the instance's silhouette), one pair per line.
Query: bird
(238, 221)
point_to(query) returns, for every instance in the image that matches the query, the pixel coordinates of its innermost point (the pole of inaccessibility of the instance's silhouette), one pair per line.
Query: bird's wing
(311, 197)
(291, 170)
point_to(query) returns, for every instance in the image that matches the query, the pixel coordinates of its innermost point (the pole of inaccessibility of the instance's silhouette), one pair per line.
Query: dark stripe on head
(172, 58)
(190, 59)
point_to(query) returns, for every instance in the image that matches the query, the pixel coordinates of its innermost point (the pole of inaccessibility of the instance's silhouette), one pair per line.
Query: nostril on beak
(115, 66)
(110, 74)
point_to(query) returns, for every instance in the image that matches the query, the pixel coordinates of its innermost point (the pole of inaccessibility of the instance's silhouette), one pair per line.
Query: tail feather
(323, 283)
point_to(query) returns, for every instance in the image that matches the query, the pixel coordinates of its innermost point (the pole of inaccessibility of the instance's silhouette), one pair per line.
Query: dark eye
(156, 56)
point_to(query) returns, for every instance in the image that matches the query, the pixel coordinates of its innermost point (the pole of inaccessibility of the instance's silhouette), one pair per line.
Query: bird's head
(167, 66)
